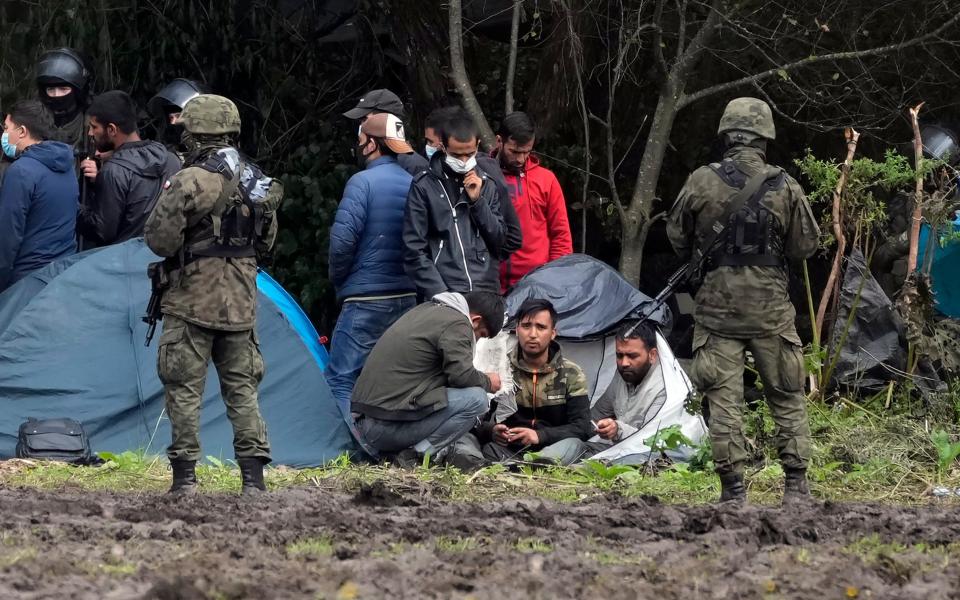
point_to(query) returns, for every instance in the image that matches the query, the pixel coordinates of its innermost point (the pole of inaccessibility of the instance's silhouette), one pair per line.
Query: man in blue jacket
(366, 252)
(39, 195)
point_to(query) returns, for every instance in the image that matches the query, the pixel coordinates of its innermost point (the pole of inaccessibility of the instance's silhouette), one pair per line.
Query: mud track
(306, 543)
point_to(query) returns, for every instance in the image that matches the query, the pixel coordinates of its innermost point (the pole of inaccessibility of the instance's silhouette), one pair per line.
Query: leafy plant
(947, 451)
(668, 438)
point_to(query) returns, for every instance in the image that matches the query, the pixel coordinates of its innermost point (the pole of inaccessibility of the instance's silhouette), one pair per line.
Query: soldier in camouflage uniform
(210, 309)
(552, 402)
(743, 302)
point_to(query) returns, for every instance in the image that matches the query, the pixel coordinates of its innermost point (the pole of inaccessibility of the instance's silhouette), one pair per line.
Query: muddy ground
(308, 543)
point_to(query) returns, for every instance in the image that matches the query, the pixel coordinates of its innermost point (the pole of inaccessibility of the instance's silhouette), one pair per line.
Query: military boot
(184, 477)
(795, 487)
(732, 488)
(251, 472)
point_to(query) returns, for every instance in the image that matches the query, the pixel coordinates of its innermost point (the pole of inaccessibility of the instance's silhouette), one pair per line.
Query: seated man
(552, 404)
(632, 400)
(418, 390)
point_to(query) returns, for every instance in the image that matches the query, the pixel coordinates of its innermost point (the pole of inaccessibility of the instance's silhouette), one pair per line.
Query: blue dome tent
(72, 345)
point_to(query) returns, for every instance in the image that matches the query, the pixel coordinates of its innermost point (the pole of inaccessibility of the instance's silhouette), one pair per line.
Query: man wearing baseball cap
(366, 251)
(382, 101)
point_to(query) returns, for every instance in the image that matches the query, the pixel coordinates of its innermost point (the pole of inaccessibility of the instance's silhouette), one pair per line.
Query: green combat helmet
(208, 114)
(748, 114)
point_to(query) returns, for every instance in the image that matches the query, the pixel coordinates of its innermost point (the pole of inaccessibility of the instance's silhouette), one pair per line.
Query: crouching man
(419, 391)
(633, 399)
(552, 404)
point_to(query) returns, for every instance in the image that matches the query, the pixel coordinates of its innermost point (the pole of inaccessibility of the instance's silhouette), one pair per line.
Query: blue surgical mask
(429, 151)
(9, 149)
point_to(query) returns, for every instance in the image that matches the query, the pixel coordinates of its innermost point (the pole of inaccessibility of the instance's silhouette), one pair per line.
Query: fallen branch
(918, 193)
(852, 136)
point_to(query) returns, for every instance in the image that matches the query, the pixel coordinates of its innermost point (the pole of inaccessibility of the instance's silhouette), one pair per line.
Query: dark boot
(251, 472)
(184, 477)
(795, 487)
(732, 488)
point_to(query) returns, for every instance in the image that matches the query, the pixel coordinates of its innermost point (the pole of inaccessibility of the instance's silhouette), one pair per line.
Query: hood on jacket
(455, 301)
(554, 359)
(147, 158)
(56, 156)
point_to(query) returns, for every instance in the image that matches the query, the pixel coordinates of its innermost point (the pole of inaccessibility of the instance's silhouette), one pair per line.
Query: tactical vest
(241, 214)
(752, 237)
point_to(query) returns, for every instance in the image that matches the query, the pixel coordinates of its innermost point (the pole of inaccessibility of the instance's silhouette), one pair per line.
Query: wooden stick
(918, 194)
(852, 136)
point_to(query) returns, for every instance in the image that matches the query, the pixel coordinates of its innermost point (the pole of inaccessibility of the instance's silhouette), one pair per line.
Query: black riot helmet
(173, 97)
(940, 143)
(64, 67)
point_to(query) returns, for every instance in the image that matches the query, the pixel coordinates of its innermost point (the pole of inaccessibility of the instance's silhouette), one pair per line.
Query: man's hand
(607, 428)
(472, 183)
(500, 434)
(523, 436)
(88, 167)
(495, 382)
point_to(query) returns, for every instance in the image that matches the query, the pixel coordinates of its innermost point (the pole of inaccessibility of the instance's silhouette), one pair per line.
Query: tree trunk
(917, 216)
(460, 78)
(512, 60)
(637, 222)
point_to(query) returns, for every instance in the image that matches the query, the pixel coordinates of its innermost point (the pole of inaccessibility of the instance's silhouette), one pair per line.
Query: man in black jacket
(128, 183)
(454, 230)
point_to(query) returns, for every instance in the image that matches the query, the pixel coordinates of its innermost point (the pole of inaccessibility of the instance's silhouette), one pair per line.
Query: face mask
(9, 149)
(61, 106)
(360, 156)
(189, 143)
(461, 167)
(429, 151)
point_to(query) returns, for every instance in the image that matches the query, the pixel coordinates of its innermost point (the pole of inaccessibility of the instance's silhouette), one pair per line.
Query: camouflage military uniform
(740, 308)
(209, 312)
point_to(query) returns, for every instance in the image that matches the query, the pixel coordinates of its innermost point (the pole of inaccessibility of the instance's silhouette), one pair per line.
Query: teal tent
(72, 345)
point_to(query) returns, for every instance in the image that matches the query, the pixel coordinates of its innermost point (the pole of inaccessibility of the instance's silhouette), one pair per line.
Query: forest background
(626, 93)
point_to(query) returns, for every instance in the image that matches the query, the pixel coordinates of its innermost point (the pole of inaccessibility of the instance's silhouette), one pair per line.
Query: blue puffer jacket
(366, 245)
(38, 210)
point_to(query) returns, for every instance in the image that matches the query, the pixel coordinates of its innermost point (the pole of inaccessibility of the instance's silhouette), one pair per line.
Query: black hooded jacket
(124, 193)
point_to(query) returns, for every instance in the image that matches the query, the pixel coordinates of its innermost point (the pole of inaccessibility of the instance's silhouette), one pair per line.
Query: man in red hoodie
(536, 197)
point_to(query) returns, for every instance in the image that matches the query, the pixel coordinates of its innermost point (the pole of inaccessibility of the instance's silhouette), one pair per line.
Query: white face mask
(461, 166)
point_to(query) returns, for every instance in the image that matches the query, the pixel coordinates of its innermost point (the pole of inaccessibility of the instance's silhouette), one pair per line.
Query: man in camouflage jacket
(743, 302)
(552, 402)
(210, 309)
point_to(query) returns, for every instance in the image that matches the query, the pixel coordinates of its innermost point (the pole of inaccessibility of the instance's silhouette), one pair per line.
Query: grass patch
(319, 547)
(860, 453)
(455, 545)
(529, 545)
(8, 559)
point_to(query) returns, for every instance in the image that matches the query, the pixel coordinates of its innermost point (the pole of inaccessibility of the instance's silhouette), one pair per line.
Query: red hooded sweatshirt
(542, 211)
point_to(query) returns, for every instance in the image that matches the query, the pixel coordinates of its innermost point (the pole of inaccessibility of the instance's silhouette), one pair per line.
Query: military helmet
(940, 143)
(211, 115)
(748, 114)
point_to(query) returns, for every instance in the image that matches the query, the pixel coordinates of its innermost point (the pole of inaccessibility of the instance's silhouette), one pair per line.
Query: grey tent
(72, 345)
(591, 300)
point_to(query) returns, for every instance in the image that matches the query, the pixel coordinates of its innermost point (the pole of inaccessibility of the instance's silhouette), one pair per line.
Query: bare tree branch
(688, 99)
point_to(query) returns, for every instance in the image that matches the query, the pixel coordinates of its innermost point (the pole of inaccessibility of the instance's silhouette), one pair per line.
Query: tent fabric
(945, 269)
(591, 298)
(72, 345)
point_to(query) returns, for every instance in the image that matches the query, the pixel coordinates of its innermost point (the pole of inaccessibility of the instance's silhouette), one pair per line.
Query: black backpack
(55, 439)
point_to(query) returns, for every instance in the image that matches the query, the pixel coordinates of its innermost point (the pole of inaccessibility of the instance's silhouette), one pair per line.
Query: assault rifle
(159, 283)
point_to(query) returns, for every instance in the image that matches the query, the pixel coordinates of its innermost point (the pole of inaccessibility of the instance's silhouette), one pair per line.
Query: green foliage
(313, 184)
(668, 438)
(529, 545)
(313, 547)
(947, 451)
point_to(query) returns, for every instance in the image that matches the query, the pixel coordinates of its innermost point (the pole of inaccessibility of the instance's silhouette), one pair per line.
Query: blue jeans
(360, 325)
(433, 432)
